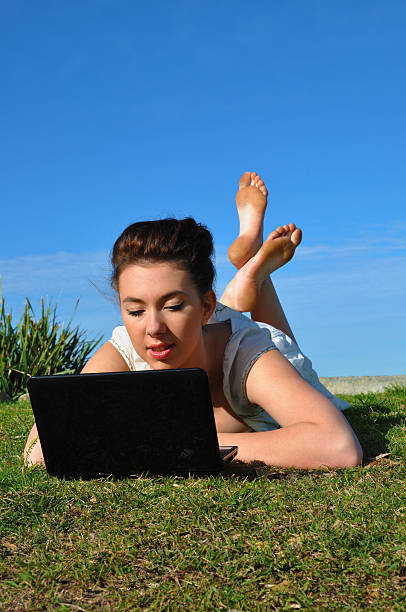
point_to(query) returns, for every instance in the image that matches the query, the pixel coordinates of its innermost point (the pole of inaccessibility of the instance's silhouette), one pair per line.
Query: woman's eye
(135, 313)
(176, 306)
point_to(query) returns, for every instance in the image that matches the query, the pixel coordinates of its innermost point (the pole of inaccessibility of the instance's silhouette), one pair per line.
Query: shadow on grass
(374, 415)
(233, 470)
(258, 469)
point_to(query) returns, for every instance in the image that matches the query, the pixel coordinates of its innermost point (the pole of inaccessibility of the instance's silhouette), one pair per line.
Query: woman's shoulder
(247, 342)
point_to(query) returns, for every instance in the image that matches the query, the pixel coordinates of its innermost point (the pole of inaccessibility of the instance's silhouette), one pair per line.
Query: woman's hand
(33, 451)
(313, 431)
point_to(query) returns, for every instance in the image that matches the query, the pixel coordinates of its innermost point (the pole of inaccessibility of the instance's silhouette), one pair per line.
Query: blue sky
(116, 111)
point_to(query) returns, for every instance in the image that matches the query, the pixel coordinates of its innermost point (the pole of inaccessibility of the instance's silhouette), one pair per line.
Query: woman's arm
(313, 431)
(106, 359)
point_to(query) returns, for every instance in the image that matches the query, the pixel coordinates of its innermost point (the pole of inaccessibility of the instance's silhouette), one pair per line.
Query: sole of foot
(251, 202)
(276, 251)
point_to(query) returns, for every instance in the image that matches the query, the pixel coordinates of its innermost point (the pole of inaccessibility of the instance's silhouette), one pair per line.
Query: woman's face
(164, 314)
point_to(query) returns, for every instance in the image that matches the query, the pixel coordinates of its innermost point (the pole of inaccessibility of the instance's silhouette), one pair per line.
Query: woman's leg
(268, 309)
(252, 290)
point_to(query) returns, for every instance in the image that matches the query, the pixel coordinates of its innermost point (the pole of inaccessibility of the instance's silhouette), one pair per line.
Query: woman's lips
(160, 352)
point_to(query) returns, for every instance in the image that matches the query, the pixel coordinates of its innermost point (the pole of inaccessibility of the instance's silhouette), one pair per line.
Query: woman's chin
(161, 365)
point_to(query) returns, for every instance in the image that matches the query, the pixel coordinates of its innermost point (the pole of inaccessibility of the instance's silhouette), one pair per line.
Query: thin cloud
(51, 273)
(381, 278)
(375, 247)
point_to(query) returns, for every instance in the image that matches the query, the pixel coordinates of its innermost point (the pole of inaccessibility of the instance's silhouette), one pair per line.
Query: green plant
(39, 346)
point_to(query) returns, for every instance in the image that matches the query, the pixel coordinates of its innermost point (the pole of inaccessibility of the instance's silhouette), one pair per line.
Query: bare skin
(251, 290)
(251, 202)
(245, 288)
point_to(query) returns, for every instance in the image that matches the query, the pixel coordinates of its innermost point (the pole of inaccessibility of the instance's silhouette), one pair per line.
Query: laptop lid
(122, 423)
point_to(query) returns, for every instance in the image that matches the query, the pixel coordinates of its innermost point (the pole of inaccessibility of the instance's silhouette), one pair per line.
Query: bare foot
(251, 204)
(242, 293)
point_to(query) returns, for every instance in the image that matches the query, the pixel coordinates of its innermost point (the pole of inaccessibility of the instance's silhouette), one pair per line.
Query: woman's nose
(155, 324)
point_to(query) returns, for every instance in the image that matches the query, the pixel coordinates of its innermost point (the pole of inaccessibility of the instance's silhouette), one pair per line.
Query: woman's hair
(183, 241)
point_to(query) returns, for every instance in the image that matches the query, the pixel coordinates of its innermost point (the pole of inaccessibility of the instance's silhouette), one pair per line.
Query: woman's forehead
(155, 278)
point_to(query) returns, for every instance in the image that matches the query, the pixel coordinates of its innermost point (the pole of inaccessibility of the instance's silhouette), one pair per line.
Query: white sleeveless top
(248, 341)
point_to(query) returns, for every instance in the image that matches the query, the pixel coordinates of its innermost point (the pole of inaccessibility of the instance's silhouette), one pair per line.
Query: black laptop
(125, 423)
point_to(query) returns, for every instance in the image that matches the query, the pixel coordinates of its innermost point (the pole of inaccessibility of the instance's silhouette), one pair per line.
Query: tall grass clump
(39, 346)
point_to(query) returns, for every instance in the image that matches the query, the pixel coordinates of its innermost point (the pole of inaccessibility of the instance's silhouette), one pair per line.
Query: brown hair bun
(183, 241)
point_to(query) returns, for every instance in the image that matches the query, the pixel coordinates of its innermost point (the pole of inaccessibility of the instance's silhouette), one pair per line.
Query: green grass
(255, 539)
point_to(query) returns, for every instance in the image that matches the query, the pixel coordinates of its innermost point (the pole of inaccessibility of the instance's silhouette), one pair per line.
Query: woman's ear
(209, 302)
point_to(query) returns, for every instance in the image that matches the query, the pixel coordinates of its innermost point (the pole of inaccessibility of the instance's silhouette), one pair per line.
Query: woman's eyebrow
(167, 296)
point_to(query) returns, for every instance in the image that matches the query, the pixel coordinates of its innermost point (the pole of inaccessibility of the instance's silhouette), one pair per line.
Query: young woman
(266, 397)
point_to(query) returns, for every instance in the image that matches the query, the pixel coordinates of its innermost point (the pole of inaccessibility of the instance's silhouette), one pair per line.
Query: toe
(245, 179)
(296, 236)
(261, 185)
